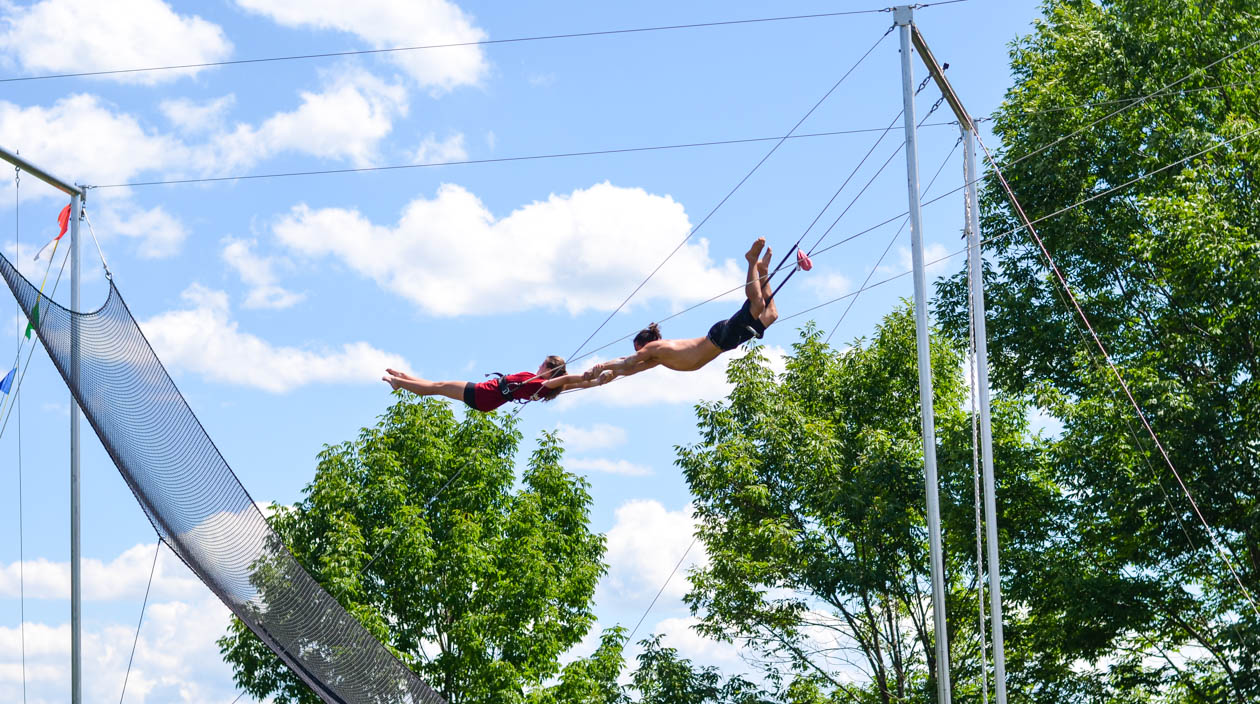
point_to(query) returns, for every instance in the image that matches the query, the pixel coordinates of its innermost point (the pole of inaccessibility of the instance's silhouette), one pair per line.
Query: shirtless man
(757, 314)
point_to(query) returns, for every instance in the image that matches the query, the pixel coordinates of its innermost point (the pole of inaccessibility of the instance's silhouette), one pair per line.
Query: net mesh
(199, 507)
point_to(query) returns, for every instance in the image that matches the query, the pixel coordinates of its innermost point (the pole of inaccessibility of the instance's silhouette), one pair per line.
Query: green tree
(479, 585)
(1166, 268)
(665, 678)
(810, 495)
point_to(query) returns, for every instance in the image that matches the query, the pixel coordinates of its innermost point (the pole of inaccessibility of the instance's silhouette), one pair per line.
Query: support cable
(891, 241)
(662, 589)
(143, 604)
(1134, 103)
(1007, 233)
(853, 202)
(501, 160)
(108, 274)
(938, 260)
(974, 363)
(7, 412)
(16, 389)
(450, 45)
(733, 190)
(1129, 103)
(1028, 224)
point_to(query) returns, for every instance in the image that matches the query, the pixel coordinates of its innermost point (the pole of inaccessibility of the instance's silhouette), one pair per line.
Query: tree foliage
(810, 493)
(1166, 268)
(479, 585)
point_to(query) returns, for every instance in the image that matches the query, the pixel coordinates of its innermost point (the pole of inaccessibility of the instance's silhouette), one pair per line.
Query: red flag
(63, 219)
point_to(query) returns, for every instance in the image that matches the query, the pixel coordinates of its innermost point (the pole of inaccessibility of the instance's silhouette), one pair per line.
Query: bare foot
(391, 380)
(763, 266)
(755, 250)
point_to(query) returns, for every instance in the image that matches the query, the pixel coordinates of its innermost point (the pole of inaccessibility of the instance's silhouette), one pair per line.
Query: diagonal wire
(891, 241)
(143, 604)
(662, 589)
(733, 190)
(19, 378)
(1028, 224)
(938, 260)
(1007, 233)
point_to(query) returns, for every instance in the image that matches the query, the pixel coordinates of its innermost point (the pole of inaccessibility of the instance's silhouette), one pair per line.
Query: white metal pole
(76, 591)
(975, 260)
(904, 17)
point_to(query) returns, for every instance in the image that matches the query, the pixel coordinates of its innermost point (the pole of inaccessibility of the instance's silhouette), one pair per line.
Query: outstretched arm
(567, 381)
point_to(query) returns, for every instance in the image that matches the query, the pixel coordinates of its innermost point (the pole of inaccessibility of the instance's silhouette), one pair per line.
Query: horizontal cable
(499, 160)
(426, 47)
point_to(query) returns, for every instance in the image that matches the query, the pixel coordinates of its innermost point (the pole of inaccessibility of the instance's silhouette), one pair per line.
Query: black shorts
(740, 328)
(470, 395)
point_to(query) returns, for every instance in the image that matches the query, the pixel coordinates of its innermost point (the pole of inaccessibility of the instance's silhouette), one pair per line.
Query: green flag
(30, 325)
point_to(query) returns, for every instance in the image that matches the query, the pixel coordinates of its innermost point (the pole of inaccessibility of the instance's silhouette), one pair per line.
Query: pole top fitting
(903, 15)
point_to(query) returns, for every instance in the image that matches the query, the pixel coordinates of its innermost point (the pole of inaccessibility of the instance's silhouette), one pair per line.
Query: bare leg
(420, 387)
(771, 311)
(753, 282)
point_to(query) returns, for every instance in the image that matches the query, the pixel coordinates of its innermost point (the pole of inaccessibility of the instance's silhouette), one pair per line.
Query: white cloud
(159, 233)
(384, 24)
(606, 466)
(433, 151)
(645, 544)
(581, 251)
(123, 578)
(259, 273)
(204, 339)
(81, 139)
(194, 117)
(176, 658)
(600, 436)
(661, 385)
(931, 252)
(829, 286)
(66, 36)
(680, 633)
(346, 120)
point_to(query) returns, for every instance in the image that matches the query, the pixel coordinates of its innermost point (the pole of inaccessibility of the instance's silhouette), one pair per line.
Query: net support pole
(976, 280)
(903, 17)
(76, 194)
(76, 587)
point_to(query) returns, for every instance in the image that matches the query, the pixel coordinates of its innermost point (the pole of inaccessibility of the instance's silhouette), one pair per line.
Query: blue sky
(275, 303)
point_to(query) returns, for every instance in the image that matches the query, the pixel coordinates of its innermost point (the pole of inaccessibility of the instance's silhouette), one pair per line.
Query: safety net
(199, 507)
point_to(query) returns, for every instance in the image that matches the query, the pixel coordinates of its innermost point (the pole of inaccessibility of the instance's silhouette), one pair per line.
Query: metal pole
(39, 173)
(904, 17)
(76, 592)
(975, 260)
